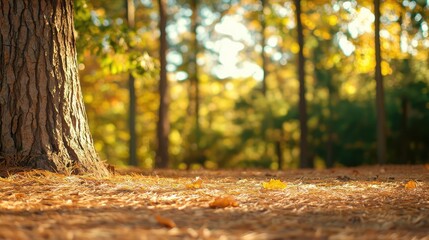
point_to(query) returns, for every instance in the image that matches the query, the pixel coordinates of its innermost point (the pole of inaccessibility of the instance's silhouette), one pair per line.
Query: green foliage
(238, 125)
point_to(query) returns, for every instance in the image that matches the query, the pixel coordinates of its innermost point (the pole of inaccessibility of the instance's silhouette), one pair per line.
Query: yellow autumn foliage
(274, 184)
(197, 183)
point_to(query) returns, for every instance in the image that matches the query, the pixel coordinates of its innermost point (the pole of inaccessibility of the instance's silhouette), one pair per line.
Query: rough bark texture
(163, 127)
(381, 114)
(303, 145)
(43, 121)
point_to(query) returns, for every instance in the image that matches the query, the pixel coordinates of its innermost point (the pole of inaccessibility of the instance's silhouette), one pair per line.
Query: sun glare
(233, 38)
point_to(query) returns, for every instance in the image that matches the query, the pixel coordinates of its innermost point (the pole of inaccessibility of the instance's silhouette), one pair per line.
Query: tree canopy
(239, 124)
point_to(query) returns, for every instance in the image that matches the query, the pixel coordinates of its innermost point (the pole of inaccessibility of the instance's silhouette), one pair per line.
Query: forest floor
(389, 202)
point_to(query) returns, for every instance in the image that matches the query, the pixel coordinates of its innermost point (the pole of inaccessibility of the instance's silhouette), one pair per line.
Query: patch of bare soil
(390, 202)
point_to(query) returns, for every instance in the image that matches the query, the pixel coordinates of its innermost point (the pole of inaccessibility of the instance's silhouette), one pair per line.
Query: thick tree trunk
(381, 115)
(43, 122)
(163, 127)
(303, 144)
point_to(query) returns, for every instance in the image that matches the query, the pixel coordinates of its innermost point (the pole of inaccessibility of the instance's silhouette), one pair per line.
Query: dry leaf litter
(390, 202)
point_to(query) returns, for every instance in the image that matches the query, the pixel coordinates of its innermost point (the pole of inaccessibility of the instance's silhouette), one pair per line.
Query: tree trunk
(381, 117)
(194, 90)
(130, 12)
(330, 142)
(163, 127)
(279, 152)
(404, 132)
(43, 122)
(263, 43)
(195, 79)
(304, 160)
(407, 78)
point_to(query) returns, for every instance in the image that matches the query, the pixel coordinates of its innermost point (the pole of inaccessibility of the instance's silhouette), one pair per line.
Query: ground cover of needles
(372, 202)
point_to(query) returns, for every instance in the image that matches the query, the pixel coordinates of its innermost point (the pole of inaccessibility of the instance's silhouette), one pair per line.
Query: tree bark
(43, 122)
(303, 145)
(380, 111)
(163, 127)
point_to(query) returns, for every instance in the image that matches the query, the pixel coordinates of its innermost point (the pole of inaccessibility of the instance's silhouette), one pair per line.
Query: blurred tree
(265, 9)
(43, 121)
(381, 113)
(130, 12)
(305, 161)
(413, 24)
(194, 81)
(263, 21)
(163, 127)
(108, 51)
(237, 123)
(325, 78)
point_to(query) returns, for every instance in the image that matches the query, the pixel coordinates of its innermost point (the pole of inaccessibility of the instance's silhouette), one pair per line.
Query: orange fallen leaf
(166, 222)
(411, 184)
(274, 185)
(19, 195)
(427, 166)
(223, 202)
(197, 183)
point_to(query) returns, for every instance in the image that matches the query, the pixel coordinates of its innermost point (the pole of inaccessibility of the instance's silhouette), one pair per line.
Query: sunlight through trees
(236, 88)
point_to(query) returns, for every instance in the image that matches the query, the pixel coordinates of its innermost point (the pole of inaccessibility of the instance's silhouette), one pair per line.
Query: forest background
(233, 81)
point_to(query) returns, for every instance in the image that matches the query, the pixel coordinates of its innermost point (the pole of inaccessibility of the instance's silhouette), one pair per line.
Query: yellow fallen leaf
(166, 222)
(223, 202)
(197, 183)
(411, 184)
(274, 185)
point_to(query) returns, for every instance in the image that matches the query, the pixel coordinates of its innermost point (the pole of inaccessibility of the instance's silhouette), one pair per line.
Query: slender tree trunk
(263, 43)
(404, 131)
(304, 160)
(330, 143)
(194, 73)
(279, 152)
(407, 78)
(43, 122)
(130, 11)
(264, 58)
(381, 115)
(194, 90)
(163, 127)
